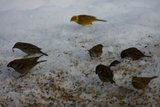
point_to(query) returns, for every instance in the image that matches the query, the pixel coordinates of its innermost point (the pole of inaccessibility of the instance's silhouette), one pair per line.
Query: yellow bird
(85, 20)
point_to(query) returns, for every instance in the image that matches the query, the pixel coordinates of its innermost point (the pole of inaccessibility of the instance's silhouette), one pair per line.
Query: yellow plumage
(85, 20)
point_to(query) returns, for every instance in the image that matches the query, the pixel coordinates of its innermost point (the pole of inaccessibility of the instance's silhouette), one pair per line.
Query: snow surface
(68, 78)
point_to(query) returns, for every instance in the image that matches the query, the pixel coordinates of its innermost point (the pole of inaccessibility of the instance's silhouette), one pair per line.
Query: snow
(68, 77)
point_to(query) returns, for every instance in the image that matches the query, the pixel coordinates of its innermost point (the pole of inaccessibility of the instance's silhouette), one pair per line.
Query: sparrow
(85, 20)
(141, 82)
(24, 65)
(105, 73)
(28, 48)
(96, 51)
(133, 53)
(114, 63)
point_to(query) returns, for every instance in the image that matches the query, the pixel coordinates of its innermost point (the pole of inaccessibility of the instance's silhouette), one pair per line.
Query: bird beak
(13, 49)
(8, 65)
(71, 20)
(96, 72)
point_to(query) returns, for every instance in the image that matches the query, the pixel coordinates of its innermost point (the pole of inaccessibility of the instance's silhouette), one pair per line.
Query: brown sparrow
(28, 48)
(96, 51)
(133, 53)
(105, 73)
(24, 65)
(141, 82)
(85, 20)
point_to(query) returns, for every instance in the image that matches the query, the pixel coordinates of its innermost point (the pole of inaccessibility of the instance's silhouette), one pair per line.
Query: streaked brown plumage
(85, 20)
(96, 51)
(133, 53)
(28, 48)
(141, 82)
(105, 73)
(24, 65)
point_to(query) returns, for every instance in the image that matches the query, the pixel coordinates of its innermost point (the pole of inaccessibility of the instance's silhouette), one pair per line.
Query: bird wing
(89, 17)
(139, 84)
(95, 49)
(85, 19)
(144, 80)
(28, 45)
(107, 72)
(136, 52)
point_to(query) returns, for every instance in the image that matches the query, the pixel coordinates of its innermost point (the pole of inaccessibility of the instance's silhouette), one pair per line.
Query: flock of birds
(105, 74)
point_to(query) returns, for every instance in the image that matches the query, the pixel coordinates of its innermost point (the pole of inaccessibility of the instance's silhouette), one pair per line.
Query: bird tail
(42, 61)
(44, 53)
(101, 20)
(36, 58)
(154, 77)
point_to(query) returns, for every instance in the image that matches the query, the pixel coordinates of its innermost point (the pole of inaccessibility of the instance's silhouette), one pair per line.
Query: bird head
(74, 18)
(134, 77)
(100, 46)
(123, 54)
(99, 68)
(17, 45)
(11, 64)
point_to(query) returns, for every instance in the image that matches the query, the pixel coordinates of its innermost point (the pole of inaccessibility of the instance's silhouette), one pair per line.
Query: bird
(114, 63)
(96, 51)
(85, 20)
(28, 48)
(24, 65)
(141, 82)
(133, 53)
(105, 73)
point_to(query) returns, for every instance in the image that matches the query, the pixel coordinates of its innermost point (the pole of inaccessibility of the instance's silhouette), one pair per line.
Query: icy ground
(68, 78)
